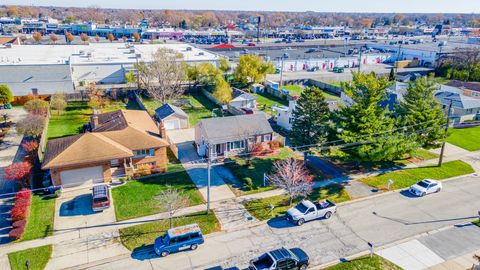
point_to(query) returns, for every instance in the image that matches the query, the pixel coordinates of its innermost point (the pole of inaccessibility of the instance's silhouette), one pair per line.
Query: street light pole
(447, 124)
(281, 73)
(359, 59)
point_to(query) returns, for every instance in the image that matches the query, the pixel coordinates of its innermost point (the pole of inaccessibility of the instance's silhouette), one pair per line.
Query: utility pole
(208, 177)
(440, 159)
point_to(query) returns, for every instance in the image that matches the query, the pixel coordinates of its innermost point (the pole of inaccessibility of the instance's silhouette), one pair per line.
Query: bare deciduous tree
(32, 125)
(163, 76)
(292, 176)
(171, 200)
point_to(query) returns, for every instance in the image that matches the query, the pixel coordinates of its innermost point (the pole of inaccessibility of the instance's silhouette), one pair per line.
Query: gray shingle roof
(48, 79)
(459, 100)
(233, 128)
(168, 109)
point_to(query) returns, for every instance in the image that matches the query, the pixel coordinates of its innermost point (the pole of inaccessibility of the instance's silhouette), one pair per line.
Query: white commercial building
(46, 69)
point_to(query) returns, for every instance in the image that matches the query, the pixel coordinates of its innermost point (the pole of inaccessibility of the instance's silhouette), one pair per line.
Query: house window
(144, 152)
(267, 137)
(236, 145)
(290, 120)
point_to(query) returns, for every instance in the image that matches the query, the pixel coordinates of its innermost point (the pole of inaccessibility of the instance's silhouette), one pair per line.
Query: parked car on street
(307, 211)
(100, 198)
(285, 259)
(425, 187)
(178, 239)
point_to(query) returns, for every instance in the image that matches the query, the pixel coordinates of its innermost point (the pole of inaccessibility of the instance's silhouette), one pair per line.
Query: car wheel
(438, 190)
(423, 194)
(300, 222)
(328, 215)
(303, 267)
(164, 253)
(193, 247)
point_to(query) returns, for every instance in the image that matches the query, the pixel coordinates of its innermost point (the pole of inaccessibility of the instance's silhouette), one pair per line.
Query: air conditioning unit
(189, 49)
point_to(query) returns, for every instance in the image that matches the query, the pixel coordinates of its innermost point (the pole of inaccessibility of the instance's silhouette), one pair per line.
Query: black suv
(281, 259)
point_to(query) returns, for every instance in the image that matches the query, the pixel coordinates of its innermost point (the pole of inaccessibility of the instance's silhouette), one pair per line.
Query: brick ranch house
(119, 142)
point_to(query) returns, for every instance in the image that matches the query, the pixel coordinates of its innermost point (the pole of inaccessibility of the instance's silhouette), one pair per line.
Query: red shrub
(19, 171)
(274, 145)
(16, 233)
(19, 223)
(20, 209)
(24, 193)
(257, 149)
(30, 146)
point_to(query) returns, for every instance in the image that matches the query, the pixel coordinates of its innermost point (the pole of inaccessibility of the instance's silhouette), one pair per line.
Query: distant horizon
(353, 6)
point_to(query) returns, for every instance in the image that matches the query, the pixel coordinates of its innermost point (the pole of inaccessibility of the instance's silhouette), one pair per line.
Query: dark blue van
(178, 239)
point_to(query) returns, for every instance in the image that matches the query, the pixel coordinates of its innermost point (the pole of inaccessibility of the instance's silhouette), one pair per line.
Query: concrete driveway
(73, 211)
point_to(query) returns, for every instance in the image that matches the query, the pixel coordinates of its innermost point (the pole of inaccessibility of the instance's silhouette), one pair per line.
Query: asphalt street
(381, 220)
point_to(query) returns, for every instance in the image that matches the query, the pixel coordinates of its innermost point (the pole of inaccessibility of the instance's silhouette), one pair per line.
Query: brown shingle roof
(85, 148)
(118, 133)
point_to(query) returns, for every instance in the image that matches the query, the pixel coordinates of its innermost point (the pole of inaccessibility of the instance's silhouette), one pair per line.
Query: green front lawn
(201, 107)
(365, 263)
(295, 90)
(40, 219)
(258, 166)
(407, 177)
(136, 198)
(466, 138)
(37, 258)
(265, 101)
(476, 222)
(76, 114)
(143, 235)
(261, 210)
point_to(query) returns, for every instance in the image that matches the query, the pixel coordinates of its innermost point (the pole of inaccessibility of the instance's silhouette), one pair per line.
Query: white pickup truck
(307, 210)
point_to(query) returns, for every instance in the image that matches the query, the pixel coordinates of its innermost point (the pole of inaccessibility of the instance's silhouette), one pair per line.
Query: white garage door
(172, 124)
(84, 176)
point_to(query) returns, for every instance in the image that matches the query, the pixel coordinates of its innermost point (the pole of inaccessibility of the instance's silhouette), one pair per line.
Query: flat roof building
(67, 68)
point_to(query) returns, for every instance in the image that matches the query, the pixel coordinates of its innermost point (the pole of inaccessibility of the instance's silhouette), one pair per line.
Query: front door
(219, 149)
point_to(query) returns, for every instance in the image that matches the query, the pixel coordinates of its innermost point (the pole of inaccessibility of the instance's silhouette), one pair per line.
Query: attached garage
(83, 176)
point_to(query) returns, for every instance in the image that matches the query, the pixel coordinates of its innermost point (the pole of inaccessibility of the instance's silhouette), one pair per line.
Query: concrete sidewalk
(451, 249)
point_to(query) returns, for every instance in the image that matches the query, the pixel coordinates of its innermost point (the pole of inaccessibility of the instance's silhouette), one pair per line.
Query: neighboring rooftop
(458, 100)
(95, 53)
(168, 109)
(117, 134)
(474, 86)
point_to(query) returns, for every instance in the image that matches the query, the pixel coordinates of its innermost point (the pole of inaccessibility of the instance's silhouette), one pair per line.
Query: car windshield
(423, 184)
(302, 208)
(100, 199)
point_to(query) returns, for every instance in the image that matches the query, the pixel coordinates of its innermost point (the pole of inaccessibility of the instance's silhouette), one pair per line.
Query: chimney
(94, 121)
(162, 131)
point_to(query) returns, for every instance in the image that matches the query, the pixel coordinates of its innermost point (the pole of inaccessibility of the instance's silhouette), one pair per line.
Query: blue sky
(428, 6)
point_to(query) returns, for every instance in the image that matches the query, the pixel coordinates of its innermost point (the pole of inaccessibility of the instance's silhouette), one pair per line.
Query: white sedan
(425, 187)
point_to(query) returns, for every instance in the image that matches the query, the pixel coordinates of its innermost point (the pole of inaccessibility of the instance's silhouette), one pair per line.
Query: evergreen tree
(310, 118)
(368, 124)
(421, 109)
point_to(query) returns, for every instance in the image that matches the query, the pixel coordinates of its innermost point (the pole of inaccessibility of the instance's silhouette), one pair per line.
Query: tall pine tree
(421, 112)
(367, 125)
(310, 118)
